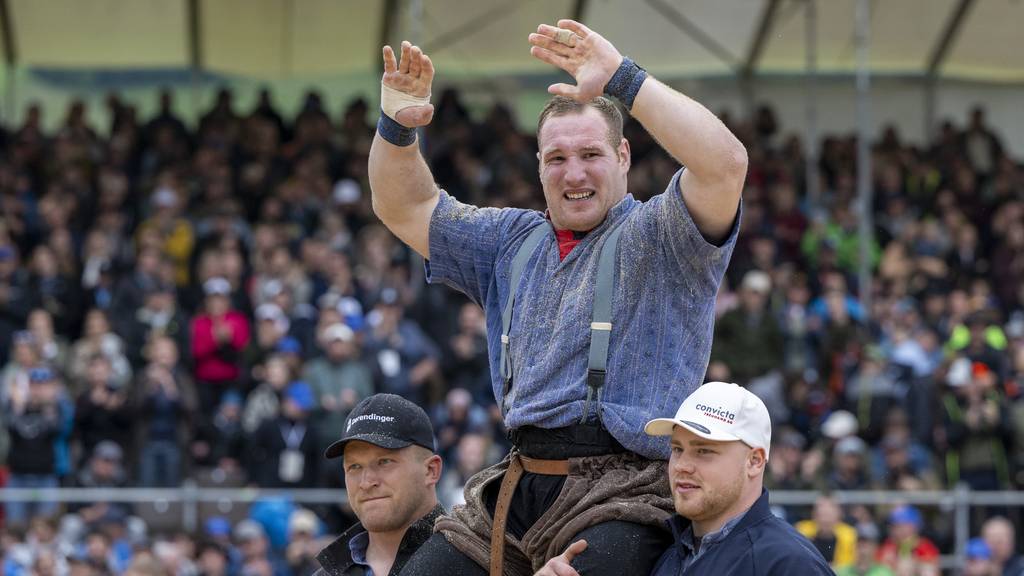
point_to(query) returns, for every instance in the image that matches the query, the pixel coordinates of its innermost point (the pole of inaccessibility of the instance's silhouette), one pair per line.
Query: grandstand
(125, 230)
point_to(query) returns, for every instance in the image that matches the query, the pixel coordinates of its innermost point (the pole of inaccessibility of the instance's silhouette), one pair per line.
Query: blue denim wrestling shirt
(667, 277)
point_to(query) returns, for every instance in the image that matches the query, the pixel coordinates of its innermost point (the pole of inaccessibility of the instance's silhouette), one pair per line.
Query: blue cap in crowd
(231, 398)
(288, 345)
(300, 393)
(41, 374)
(218, 526)
(905, 515)
(977, 549)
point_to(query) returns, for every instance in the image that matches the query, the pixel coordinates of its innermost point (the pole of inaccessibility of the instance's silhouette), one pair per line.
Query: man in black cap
(391, 475)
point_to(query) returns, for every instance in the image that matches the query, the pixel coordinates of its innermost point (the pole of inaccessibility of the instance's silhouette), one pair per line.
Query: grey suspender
(601, 320)
(518, 263)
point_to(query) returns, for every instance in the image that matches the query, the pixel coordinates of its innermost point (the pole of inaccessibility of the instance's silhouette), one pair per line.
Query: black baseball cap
(388, 421)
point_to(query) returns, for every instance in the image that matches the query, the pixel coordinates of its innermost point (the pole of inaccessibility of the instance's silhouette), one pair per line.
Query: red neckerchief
(567, 239)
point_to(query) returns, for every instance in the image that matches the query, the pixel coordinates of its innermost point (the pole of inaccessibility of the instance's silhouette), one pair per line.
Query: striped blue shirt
(667, 277)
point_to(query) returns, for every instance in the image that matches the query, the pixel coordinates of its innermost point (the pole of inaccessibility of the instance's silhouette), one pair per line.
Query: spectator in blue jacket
(723, 525)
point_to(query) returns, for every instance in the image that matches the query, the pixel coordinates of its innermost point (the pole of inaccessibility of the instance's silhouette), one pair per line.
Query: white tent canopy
(335, 44)
(281, 38)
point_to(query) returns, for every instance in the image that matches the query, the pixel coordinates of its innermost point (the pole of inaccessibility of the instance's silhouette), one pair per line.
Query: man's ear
(434, 466)
(625, 155)
(756, 461)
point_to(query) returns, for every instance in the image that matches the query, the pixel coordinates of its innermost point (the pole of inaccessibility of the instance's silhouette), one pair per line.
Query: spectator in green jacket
(340, 380)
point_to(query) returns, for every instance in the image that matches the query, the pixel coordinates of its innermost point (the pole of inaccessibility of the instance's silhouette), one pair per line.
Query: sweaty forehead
(573, 131)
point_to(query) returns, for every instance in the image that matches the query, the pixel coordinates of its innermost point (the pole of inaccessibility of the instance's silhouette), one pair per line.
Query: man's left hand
(591, 59)
(562, 565)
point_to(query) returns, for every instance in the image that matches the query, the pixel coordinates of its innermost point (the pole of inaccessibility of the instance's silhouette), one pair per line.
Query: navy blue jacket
(761, 544)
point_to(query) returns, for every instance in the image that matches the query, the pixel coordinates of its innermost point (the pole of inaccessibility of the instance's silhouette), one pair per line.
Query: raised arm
(716, 162)
(403, 191)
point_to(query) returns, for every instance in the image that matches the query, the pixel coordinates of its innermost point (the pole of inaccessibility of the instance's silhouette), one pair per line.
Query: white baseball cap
(217, 286)
(338, 332)
(721, 412)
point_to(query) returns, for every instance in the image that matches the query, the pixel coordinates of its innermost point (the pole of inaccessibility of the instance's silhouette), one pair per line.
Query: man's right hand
(562, 565)
(412, 74)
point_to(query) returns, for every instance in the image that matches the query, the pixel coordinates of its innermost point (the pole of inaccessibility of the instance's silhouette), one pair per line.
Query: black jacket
(336, 559)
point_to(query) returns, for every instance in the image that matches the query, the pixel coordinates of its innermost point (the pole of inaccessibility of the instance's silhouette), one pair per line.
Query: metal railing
(190, 496)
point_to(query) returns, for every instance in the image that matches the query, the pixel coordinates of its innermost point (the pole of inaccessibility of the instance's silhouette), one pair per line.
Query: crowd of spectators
(209, 302)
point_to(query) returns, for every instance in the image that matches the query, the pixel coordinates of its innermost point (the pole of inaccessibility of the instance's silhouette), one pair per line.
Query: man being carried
(581, 353)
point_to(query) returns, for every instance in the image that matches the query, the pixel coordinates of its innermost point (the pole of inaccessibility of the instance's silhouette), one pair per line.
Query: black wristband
(626, 82)
(393, 132)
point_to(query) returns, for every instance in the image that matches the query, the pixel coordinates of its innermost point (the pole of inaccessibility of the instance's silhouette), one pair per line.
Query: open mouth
(579, 194)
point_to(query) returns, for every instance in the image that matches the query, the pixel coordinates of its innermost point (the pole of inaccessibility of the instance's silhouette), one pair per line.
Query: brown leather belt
(517, 465)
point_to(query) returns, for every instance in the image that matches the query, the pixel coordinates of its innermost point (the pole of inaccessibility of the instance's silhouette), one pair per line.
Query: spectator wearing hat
(24, 356)
(976, 428)
(899, 472)
(285, 451)
(788, 468)
(217, 531)
(866, 563)
(219, 334)
(270, 328)
(290, 348)
(906, 551)
(175, 232)
(748, 340)
(405, 357)
(303, 546)
(219, 442)
(835, 539)
(720, 438)
(1000, 535)
(257, 557)
(339, 378)
(978, 559)
(33, 425)
(104, 468)
(391, 475)
(849, 470)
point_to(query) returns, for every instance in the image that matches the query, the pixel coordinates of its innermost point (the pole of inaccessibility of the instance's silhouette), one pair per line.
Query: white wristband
(394, 101)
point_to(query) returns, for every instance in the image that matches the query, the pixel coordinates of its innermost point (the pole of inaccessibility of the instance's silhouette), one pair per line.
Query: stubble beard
(711, 503)
(400, 515)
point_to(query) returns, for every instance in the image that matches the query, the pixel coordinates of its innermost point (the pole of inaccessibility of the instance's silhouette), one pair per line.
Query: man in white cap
(723, 524)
